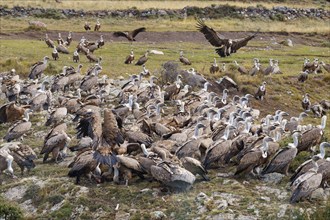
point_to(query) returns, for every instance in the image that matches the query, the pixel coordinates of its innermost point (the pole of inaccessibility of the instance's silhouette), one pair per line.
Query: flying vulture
(225, 47)
(129, 35)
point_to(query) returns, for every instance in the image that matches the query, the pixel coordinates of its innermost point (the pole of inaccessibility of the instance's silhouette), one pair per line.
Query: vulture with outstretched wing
(225, 47)
(130, 35)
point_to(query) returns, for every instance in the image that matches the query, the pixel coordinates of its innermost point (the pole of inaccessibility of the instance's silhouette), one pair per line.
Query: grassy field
(141, 197)
(160, 25)
(172, 4)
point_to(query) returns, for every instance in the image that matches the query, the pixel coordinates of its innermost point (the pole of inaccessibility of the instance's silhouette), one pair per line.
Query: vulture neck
(158, 109)
(182, 107)
(295, 142)
(305, 100)
(215, 62)
(323, 122)
(195, 136)
(278, 136)
(322, 151)
(26, 116)
(226, 134)
(115, 174)
(264, 149)
(144, 150)
(247, 127)
(224, 97)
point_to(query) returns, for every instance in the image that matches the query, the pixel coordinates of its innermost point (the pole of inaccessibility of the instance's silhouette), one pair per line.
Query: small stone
(265, 198)
(221, 204)
(287, 42)
(319, 194)
(158, 215)
(273, 178)
(122, 216)
(145, 190)
(282, 210)
(201, 197)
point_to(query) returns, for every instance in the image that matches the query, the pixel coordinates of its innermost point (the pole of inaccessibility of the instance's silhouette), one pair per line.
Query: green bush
(9, 211)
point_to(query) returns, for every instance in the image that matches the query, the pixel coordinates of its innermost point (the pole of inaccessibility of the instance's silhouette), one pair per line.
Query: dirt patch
(189, 36)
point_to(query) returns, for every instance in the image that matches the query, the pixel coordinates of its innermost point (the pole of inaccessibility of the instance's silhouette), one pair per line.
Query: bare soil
(310, 39)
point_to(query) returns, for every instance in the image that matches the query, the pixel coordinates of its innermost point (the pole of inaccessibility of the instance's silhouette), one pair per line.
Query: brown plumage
(306, 187)
(91, 125)
(225, 46)
(111, 132)
(84, 164)
(129, 35)
(10, 112)
(38, 68)
(49, 42)
(87, 26)
(138, 137)
(24, 156)
(91, 57)
(325, 104)
(303, 76)
(75, 57)
(129, 59)
(183, 59)
(142, 60)
(56, 116)
(18, 129)
(326, 66)
(97, 26)
(194, 166)
(55, 54)
(241, 69)
(281, 161)
(305, 103)
(261, 91)
(62, 49)
(55, 143)
(309, 139)
(214, 67)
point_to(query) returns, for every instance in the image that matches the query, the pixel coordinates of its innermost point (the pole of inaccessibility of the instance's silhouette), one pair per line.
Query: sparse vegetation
(59, 193)
(9, 211)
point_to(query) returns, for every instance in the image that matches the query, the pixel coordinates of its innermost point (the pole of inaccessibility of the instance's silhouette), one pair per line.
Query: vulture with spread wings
(130, 35)
(225, 46)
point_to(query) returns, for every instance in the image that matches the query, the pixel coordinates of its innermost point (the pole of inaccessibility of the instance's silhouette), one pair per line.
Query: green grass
(174, 24)
(146, 4)
(283, 92)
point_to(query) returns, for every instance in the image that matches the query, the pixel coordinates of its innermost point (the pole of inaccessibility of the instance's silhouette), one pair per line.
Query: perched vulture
(55, 54)
(130, 35)
(49, 42)
(142, 60)
(225, 47)
(38, 68)
(97, 25)
(129, 58)
(87, 26)
(261, 91)
(183, 59)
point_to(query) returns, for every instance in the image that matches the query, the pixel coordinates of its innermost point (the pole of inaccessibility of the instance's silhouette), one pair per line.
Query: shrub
(9, 211)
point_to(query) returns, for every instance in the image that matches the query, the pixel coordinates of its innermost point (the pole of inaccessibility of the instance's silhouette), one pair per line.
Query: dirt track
(191, 36)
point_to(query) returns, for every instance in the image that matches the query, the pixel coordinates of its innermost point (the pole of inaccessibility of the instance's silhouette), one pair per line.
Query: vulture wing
(238, 43)
(120, 34)
(3, 115)
(136, 31)
(111, 133)
(209, 34)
